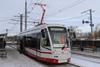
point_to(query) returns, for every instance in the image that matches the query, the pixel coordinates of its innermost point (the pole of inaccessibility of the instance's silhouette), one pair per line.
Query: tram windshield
(58, 36)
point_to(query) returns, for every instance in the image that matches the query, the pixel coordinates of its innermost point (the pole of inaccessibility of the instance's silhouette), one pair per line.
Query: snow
(14, 59)
(85, 61)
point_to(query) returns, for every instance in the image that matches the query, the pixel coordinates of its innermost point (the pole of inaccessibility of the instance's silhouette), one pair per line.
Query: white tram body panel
(46, 42)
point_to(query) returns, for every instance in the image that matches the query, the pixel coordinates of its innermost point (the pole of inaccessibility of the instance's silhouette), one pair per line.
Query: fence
(86, 44)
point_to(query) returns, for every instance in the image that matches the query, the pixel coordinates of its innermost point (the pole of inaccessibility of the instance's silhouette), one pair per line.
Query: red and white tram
(46, 42)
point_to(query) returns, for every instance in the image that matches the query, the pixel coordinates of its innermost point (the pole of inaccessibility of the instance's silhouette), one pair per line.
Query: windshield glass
(58, 35)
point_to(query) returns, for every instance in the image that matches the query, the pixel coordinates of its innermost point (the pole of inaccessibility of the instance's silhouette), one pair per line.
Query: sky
(67, 12)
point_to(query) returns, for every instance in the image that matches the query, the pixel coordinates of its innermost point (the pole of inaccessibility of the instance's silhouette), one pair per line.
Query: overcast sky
(67, 12)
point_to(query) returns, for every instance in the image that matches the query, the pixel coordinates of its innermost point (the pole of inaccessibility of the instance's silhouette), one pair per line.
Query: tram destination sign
(57, 29)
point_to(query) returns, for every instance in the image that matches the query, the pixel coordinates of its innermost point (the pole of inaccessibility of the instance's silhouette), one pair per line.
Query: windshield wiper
(63, 47)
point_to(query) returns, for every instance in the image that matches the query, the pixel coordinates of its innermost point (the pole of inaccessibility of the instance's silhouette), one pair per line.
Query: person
(82, 49)
(2, 43)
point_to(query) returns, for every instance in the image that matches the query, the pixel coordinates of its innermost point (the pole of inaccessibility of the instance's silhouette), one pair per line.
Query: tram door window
(38, 40)
(31, 41)
(43, 33)
(28, 41)
(2, 43)
(34, 40)
(45, 39)
(22, 43)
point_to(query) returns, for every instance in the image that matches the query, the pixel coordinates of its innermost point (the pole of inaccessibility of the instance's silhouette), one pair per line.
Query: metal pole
(91, 23)
(21, 24)
(6, 31)
(25, 14)
(42, 18)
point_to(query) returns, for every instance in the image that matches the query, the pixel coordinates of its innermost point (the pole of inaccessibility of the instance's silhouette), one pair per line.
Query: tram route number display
(57, 29)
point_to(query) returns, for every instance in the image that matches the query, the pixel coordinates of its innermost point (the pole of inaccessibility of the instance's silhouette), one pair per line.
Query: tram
(46, 42)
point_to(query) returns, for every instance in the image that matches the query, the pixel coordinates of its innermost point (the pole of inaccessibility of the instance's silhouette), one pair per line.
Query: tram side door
(45, 41)
(38, 44)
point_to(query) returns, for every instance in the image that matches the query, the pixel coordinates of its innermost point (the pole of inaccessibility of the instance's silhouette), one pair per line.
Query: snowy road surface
(14, 59)
(85, 61)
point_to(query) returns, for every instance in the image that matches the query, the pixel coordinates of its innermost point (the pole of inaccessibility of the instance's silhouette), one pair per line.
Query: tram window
(43, 33)
(45, 39)
(27, 41)
(38, 40)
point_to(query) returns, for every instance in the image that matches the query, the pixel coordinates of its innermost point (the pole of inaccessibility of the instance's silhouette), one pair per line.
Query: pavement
(87, 52)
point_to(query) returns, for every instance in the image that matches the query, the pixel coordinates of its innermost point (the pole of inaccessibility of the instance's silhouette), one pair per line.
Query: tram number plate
(62, 60)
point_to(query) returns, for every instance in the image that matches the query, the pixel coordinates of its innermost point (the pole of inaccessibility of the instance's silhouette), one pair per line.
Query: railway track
(62, 65)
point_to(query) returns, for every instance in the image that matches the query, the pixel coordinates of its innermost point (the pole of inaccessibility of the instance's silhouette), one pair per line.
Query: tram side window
(38, 40)
(23, 41)
(18, 40)
(28, 41)
(45, 39)
(43, 33)
(33, 41)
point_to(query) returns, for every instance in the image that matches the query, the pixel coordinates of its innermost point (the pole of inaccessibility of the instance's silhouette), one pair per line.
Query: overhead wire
(75, 3)
(4, 20)
(38, 1)
(32, 4)
(13, 27)
(14, 24)
(66, 19)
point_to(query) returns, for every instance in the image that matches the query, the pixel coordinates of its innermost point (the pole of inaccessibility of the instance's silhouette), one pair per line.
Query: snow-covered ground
(14, 59)
(85, 61)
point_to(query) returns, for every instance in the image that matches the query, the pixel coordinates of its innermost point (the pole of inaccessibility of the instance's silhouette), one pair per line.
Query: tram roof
(42, 26)
(47, 25)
